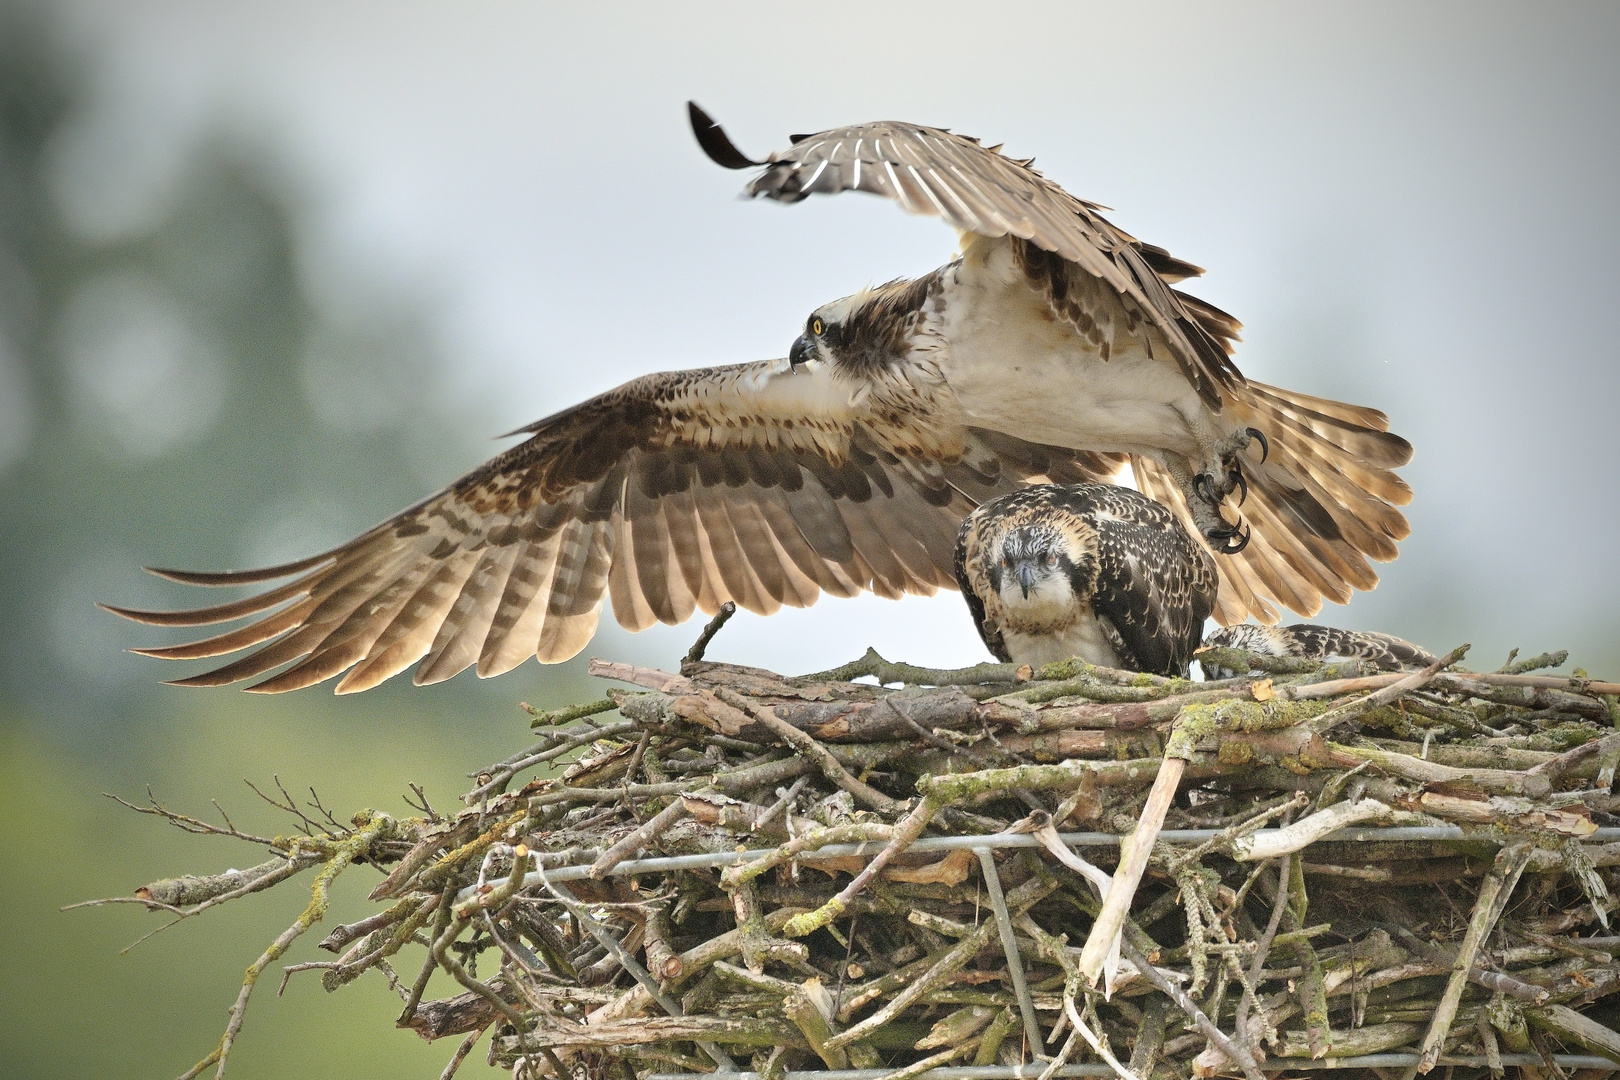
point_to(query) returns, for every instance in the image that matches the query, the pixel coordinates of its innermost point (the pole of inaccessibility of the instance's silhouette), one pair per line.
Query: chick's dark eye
(817, 326)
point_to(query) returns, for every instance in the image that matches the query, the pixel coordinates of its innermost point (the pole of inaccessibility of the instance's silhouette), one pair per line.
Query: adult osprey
(1058, 328)
(1088, 570)
(848, 466)
(1309, 641)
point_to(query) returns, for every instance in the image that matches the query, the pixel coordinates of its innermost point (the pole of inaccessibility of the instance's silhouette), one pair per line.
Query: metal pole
(1033, 1071)
(996, 841)
(1009, 944)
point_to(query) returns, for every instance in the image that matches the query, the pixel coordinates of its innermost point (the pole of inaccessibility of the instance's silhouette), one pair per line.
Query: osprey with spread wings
(1054, 348)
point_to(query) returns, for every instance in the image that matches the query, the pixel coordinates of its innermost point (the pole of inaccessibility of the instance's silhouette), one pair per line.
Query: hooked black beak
(803, 347)
(1026, 577)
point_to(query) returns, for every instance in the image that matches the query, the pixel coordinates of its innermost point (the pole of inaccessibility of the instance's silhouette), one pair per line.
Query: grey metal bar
(1034, 1070)
(998, 840)
(1009, 944)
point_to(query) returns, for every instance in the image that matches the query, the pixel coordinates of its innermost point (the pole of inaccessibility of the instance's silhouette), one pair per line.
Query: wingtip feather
(715, 142)
(238, 577)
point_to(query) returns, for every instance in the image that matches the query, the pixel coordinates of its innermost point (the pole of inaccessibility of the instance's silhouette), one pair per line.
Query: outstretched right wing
(680, 491)
(979, 190)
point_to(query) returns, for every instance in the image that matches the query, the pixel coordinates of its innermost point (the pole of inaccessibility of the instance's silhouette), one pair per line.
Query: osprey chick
(1089, 570)
(1309, 641)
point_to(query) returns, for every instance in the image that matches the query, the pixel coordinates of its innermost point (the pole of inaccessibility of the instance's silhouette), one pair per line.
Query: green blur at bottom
(70, 1006)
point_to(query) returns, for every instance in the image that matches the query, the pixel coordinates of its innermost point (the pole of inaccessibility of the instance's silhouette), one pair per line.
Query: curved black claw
(1241, 485)
(1265, 443)
(1232, 540)
(1204, 489)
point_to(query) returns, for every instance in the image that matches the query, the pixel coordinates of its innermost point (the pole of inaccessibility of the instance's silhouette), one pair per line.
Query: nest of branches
(884, 870)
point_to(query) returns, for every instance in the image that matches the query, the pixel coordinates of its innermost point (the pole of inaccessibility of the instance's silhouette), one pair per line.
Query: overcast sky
(1411, 207)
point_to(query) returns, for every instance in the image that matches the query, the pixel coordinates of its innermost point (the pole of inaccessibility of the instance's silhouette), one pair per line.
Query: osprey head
(823, 333)
(1032, 571)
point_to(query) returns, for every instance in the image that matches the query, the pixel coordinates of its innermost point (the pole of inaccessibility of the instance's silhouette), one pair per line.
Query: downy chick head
(1033, 573)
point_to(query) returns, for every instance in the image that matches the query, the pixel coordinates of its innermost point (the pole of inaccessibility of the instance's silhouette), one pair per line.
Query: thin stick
(1024, 896)
(780, 805)
(650, 830)
(348, 849)
(810, 748)
(1378, 698)
(629, 963)
(910, 827)
(453, 1066)
(701, 645)
(1306, 830)
(1009, 945)
(1206, 1026)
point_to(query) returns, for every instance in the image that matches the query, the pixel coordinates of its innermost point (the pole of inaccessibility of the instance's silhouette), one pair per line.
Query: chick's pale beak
(802, 349)
(1026, 577)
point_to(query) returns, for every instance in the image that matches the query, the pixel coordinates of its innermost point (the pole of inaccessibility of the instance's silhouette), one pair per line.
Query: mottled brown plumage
(1311, 642)
(1089, 570)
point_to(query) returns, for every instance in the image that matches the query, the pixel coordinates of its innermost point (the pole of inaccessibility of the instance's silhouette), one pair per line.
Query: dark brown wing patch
(1155, 584)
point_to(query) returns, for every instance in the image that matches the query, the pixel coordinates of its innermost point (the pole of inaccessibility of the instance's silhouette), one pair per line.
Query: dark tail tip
(714, 141)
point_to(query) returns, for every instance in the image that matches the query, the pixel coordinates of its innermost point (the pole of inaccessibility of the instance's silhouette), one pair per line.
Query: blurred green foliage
(178, 373)
(171, 392)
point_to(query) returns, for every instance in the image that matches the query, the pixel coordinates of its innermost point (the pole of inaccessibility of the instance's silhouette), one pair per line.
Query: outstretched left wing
(751, 483)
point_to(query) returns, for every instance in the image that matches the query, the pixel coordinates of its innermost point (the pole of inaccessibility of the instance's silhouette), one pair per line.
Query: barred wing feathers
(1310, 641)
(673, 493)
(1155, 584)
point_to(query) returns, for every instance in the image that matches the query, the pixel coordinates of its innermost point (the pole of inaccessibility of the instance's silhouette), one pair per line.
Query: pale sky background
(1415, 207)
(1410, 206)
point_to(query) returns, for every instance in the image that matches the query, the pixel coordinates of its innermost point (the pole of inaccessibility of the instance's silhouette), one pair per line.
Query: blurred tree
(174, 372)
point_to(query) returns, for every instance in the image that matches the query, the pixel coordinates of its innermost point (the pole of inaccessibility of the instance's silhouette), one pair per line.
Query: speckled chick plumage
(1090, 570)
(1312, 642)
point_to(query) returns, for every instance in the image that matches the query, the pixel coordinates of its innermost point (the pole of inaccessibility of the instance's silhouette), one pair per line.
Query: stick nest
(856, 935)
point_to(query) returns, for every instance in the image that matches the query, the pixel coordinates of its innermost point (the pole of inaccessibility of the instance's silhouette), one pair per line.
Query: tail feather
(1360, 415)
(1337, 460)
(1235, 599)
(1331, 571)
(1320, 506)
(1278, 573)
(1356, 430)
(1334, 508)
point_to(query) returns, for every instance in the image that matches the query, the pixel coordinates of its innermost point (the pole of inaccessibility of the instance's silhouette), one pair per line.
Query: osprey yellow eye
(816, 326)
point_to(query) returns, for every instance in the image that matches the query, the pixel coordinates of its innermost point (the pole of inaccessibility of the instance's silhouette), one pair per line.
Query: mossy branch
(369, 827)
